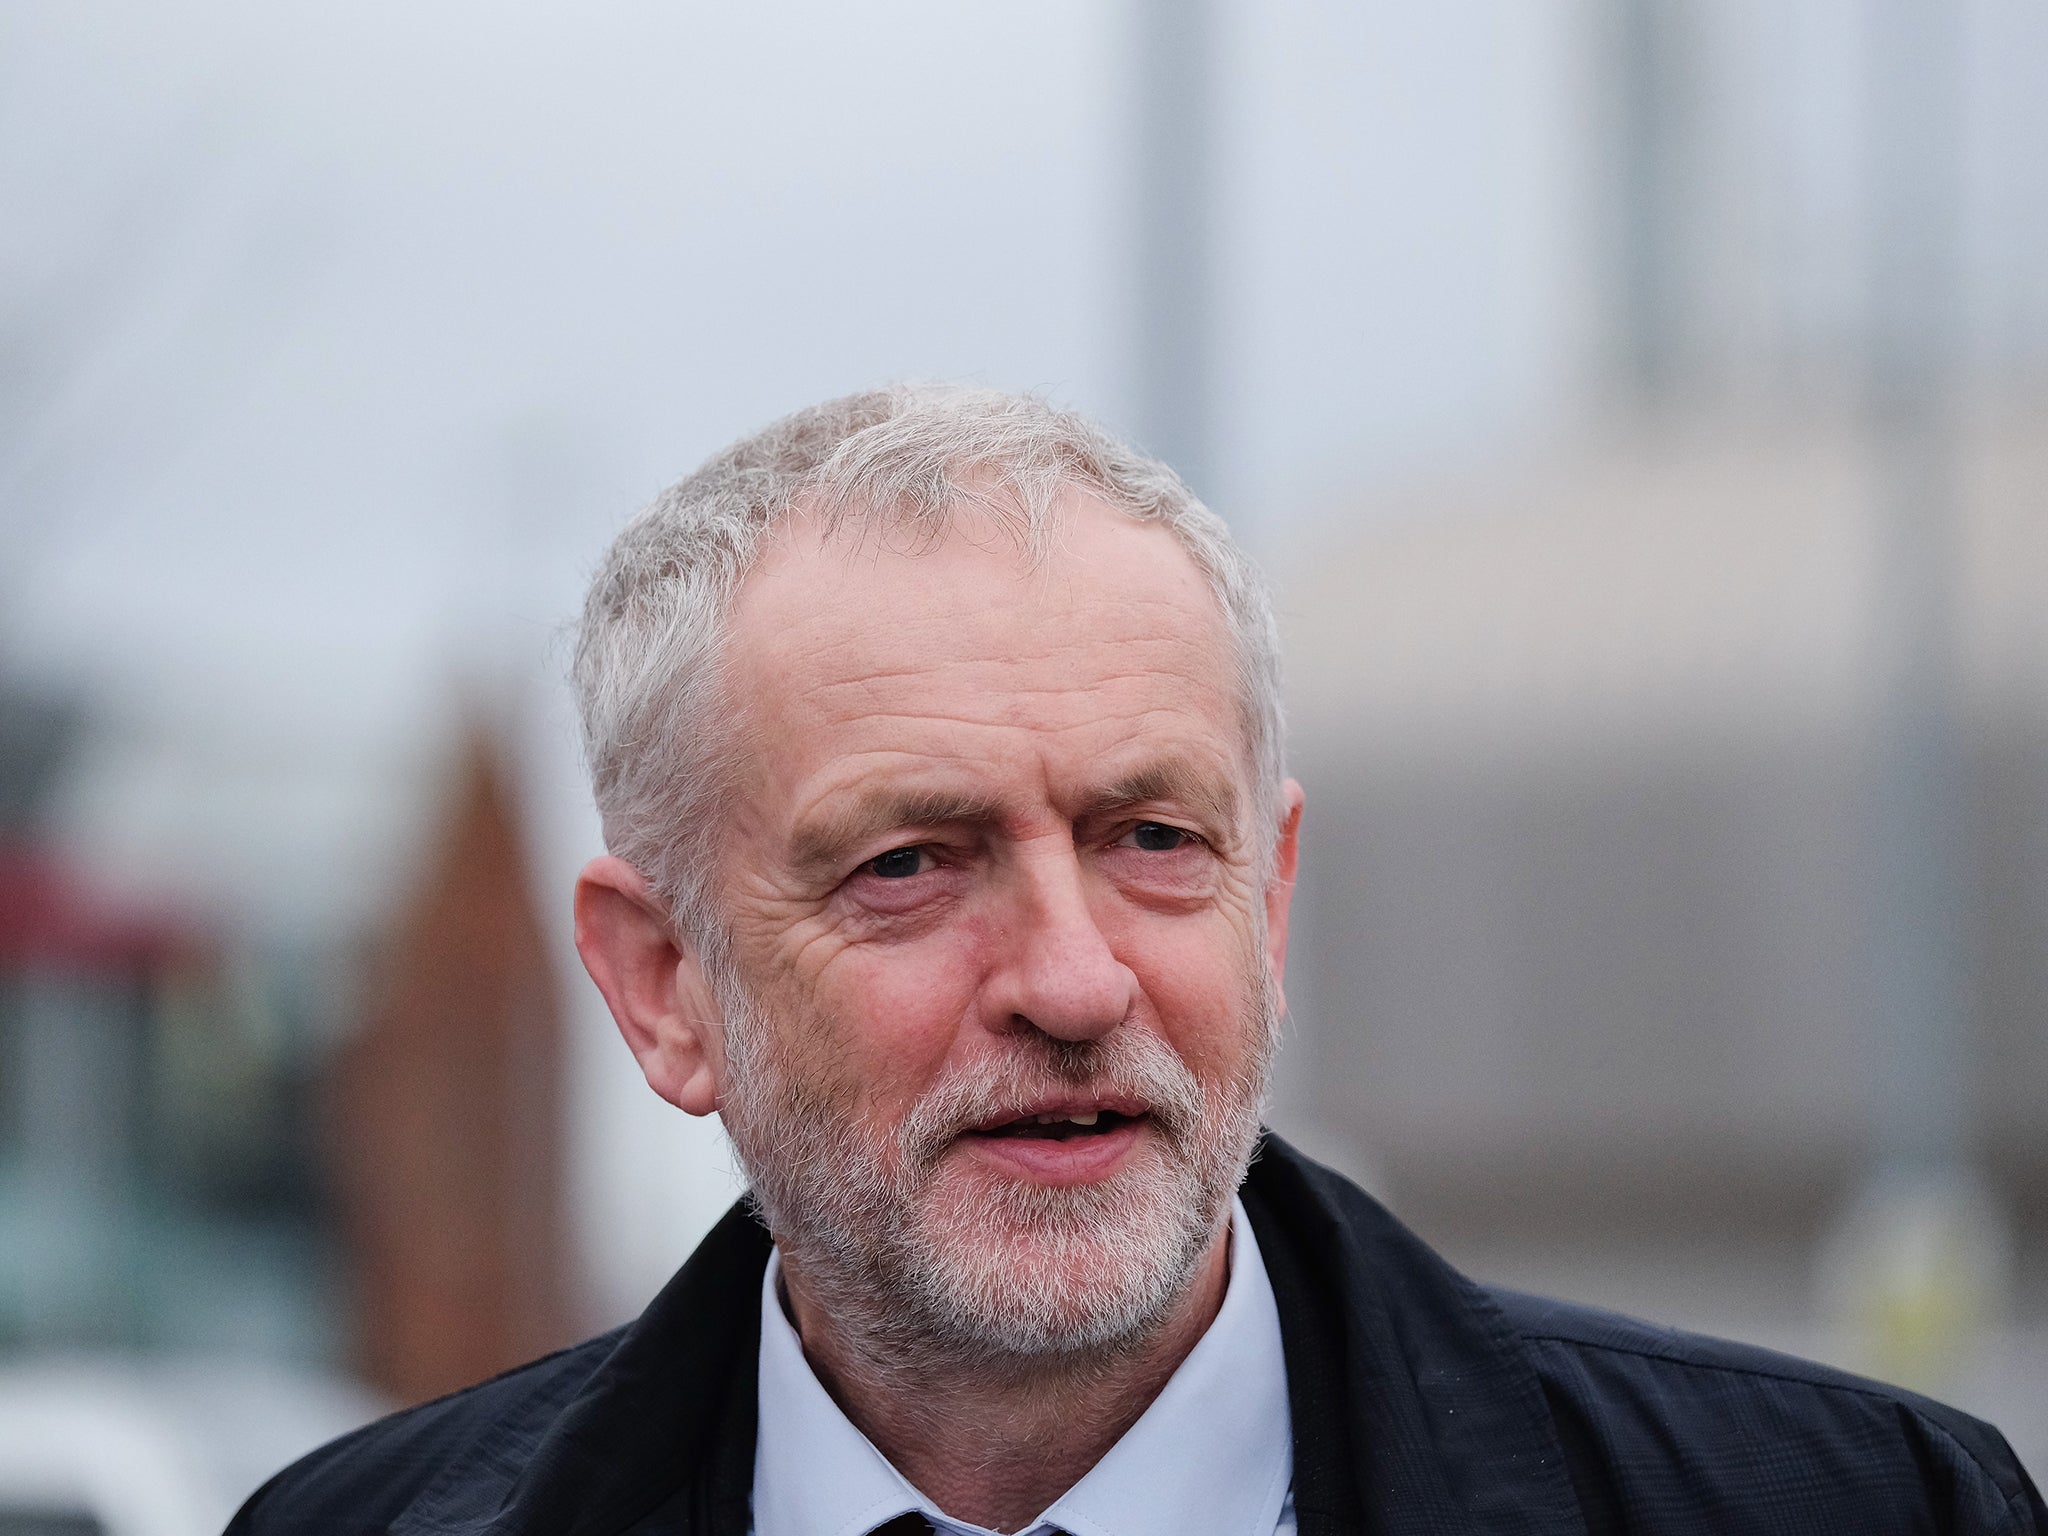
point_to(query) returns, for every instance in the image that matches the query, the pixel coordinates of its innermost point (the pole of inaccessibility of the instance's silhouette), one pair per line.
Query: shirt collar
(1213, 1452)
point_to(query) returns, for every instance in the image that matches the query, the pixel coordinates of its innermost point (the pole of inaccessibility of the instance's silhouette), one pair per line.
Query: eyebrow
(1173, 778)
(821, 844)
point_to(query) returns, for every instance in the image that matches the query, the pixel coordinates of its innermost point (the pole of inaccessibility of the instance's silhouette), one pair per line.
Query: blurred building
(157, 1186)
(1678, 876)
(1589, 746)
(447, 1136)
(235, 1124)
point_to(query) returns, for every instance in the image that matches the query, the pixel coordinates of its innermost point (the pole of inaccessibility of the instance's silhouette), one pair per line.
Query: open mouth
(1061, 1125)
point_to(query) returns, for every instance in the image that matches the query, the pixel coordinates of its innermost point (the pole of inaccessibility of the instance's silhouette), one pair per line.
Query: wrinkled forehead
(873, 577)
(840, 615)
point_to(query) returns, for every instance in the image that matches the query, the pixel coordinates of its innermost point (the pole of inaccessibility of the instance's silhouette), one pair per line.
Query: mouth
(1059, 1144)
(1061, 1125)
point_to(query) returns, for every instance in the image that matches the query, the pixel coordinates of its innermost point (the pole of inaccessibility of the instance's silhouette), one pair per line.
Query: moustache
(1126, 1066)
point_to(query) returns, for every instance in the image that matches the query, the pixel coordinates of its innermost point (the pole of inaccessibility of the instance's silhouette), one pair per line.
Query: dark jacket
(1422, 1402)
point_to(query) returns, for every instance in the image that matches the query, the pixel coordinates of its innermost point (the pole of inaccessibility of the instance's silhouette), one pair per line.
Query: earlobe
(653, 984)
(1280, 886)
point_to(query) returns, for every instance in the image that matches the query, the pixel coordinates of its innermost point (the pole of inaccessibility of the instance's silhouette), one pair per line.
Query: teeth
(1084, 1117)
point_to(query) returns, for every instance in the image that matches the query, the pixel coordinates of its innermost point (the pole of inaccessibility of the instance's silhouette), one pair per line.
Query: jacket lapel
(1415, 1410)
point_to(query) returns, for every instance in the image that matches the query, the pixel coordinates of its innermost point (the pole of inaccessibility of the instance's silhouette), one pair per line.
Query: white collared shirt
(1213, 1453)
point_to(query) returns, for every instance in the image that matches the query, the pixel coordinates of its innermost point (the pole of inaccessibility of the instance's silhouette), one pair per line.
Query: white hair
(649, 654)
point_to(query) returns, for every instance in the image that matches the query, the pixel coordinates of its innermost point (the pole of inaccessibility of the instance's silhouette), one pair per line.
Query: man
(936, 738)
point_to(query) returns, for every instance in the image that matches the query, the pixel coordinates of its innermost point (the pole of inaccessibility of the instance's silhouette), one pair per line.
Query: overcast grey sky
(318, 299)
(333, 333)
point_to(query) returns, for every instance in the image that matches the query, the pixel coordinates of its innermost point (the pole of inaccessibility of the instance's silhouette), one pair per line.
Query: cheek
(1201, 982)
(895, 1013)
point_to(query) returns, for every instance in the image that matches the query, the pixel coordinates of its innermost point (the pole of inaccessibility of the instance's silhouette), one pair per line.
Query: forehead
(880, 642)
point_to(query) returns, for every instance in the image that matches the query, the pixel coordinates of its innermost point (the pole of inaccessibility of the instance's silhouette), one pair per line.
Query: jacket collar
(1415, 1410)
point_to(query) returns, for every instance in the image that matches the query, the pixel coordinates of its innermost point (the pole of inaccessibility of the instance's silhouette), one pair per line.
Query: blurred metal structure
(1174, 275)
(1921, 1253)
(1918, 830)
(1646, 76)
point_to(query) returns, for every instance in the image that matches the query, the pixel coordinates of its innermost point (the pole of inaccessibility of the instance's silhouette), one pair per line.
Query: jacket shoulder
(589, 1439)
(366, 1479)
(1653, 1420)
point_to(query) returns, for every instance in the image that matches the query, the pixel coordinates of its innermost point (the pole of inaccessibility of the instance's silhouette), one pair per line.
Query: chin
(1005, 1269)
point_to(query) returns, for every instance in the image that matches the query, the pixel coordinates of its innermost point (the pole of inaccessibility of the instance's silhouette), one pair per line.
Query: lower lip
(1042, 1160)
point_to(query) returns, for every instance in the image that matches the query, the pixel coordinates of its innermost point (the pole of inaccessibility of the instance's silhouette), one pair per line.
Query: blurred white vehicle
(113, 1447)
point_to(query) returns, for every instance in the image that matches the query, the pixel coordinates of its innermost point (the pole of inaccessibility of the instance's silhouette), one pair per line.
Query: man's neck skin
(990, 1447)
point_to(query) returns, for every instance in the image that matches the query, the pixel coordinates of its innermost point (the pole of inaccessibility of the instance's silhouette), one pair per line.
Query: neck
(993, 1442)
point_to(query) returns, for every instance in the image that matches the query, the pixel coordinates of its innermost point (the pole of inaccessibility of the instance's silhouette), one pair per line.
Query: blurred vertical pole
(1174, 274)
(1919, 832)
(1919, 1259)
(1647, 89)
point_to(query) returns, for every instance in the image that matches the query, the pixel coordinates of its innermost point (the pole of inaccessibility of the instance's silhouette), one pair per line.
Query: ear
(1280, 886)
(653, 984)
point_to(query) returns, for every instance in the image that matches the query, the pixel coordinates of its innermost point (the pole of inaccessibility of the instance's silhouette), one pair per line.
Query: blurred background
(1643, 408)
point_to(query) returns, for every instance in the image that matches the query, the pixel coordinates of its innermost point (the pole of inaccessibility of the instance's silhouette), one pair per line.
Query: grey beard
(1018, 1278)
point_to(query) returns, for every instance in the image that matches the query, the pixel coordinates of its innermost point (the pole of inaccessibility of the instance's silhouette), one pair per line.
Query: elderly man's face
(1004, 967)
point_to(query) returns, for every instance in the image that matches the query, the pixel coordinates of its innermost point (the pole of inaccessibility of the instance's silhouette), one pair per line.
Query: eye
(1158, 837)
(897, 864)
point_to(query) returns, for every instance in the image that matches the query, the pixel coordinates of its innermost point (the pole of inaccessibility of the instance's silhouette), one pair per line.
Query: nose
(1055, 970)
